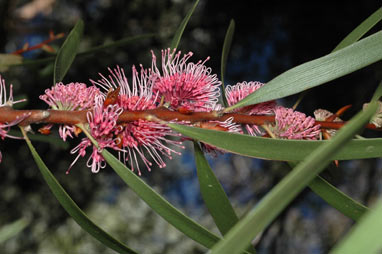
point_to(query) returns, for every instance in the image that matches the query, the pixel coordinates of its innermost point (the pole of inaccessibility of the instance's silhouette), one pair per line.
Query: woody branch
(7, 114)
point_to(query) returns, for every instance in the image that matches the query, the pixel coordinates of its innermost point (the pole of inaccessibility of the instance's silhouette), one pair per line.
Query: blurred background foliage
(270, 38)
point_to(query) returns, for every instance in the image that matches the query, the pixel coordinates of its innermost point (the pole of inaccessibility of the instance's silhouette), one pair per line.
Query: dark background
(270, 38)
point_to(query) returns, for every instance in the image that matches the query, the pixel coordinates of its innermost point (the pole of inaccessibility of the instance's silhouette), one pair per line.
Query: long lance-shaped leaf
(179, 32)
(318, 71)
(226, 48)
(288, 188)
(250, 146)
(365, 236)
(72, 209)
(160, 205)
(360, 30)
(9, 230)
(352, 37)
(336, 198)
(213, 194)
(278, 149)
(67, 52)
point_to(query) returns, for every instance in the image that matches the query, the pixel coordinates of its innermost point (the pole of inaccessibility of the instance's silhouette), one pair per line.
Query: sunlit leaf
(73, 210)
(67, 52)
(10, 230)
(6, 60)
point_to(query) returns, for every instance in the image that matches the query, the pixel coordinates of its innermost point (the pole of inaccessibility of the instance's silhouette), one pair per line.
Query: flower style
(103, 128)
(291, 124)
(236, 93)
(4, 102)
(73, 96)
(184, 85)
(141, 136)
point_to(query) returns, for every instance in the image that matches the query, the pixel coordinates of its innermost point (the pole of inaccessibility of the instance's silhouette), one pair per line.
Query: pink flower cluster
(176, 84)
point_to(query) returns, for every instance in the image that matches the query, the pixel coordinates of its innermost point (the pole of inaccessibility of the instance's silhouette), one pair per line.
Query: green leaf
(161, 206)
(226, 48)
(354, 36)
(278, 149)
(179, 32)
(71, 207)
(338, 199)
(288, 188)
(10, 230)
(365, 236)
(360, 30)
(318, 71)
(67, 52)
(7, 60)
(213, 194)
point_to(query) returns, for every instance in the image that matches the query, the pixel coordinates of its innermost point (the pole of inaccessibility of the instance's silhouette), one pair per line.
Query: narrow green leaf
(336, 198)
(10, 230)
(67, 52)
(354, 36)
(226, 48)
(213, 194)
(71, 207)
(161, 206)
(288, 188)
(360, 30)
(319, 71)
(365, 236)
(179, 32)
(278, 149)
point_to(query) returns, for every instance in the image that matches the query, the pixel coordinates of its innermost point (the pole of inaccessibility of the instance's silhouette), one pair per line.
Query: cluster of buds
(177, 85)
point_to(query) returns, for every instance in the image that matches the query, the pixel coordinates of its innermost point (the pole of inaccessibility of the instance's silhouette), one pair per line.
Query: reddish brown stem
(8, 114)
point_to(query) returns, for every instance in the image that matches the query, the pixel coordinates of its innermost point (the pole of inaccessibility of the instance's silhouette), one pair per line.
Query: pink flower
(236, 93)
(73, 96)
(4, 102)
(181, 84)
(141, 138)
(103, 128)
(294, 125)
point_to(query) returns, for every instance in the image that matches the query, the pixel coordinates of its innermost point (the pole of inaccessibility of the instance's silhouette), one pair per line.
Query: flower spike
(140, 140)
(181, 84)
